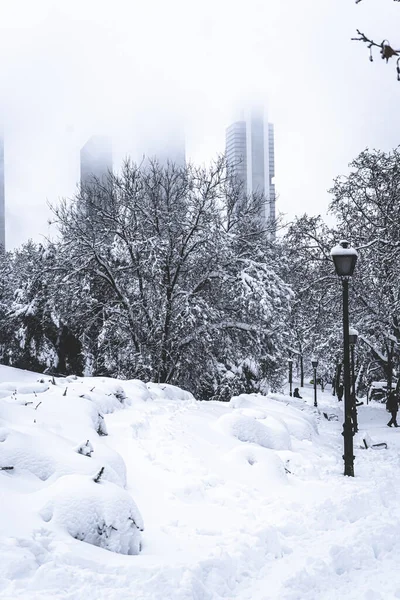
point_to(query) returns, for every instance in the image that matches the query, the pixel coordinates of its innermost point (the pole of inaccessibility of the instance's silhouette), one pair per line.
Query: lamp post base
(348, 456)
(348, 467)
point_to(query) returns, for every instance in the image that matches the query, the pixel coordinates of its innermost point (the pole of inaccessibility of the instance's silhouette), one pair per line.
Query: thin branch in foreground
(385, 48)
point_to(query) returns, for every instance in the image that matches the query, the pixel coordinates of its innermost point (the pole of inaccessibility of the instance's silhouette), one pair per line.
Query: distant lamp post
(392, 342)
(314, 363)
(290, 361)
(353, 335)
(345, 258)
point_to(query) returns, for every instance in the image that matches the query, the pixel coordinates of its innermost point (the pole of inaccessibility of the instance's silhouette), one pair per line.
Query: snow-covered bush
(269, 433)
(259, 462)
(299, 424)
(101, 425)
(85, 448)
(47, 455)
(166, 391)
(102, 513)
(105, 393)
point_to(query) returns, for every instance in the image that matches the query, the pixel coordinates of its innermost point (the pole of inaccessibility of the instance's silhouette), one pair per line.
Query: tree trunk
(390, 366)
(337, 376)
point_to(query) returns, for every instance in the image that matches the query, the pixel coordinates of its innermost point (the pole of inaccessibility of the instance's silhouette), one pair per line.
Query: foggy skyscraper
(250, 156)
(163, 140)
(96, 159)
(2, 197)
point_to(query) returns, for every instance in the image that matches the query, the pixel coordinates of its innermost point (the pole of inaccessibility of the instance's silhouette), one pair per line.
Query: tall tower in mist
(170, 153)
(164, 140)
(96, 159)
(2, 198)
(250, 155)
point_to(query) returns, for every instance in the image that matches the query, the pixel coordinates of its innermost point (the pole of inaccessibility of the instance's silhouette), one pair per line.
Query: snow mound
(46, 455)
(299, 425)
(101, 514)
(271, 433)
(55, 444)
(248, 401)
(137, 390)
(261, 462)
(165, 391)
(9, 388)
(105, 393)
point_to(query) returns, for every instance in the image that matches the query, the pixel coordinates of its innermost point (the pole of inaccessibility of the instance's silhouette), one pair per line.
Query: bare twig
(98, 476)
(386, 49)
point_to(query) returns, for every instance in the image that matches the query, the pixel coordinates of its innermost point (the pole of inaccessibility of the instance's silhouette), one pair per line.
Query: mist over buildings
(144, 73)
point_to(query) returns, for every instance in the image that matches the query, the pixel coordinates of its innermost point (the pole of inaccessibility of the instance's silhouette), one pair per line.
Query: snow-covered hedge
(102, 513)
(53, 433)
(166, 391)
(298, 424)
(270, 433)
(262, 463)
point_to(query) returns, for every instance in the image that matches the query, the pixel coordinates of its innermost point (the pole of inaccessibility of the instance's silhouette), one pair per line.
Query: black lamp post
(353, 335)
(345, 259)
(290, 361)
(314, 363)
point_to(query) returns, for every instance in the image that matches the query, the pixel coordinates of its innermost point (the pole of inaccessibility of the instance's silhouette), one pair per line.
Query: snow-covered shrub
(297, 427)
(248, 401)
(31, 453)
(23, 388)
(169, 392)
(137, 390)
(269, 433)
(85, 448)
(102, 513)
(101, 425)
(299, 424)
(261, 463)
(47, 455)
(107, 395)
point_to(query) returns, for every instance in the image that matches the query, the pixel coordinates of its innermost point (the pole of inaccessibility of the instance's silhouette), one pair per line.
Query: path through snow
(225, 518)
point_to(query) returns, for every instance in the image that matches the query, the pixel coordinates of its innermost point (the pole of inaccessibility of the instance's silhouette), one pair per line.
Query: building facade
(250, 156)
(236, 151)
(166, 145)
(96, 160)
(2, 198)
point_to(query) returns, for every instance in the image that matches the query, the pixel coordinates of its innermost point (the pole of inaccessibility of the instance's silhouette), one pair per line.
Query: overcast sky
(72, 68)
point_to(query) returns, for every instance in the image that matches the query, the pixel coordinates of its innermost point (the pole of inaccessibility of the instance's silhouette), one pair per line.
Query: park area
(122, 490)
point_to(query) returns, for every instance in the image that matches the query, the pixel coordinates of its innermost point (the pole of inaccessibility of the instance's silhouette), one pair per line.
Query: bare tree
(176, 271)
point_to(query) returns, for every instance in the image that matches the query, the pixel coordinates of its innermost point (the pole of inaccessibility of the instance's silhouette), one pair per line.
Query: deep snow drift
(123, 490)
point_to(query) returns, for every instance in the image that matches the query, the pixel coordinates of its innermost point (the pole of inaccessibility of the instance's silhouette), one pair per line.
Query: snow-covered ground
(239, 500)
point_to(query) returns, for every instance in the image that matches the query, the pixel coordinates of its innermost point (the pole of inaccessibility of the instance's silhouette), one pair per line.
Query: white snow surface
(197, 500)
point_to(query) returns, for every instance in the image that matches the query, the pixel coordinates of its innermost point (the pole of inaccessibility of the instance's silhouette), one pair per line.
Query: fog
(140, 72)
